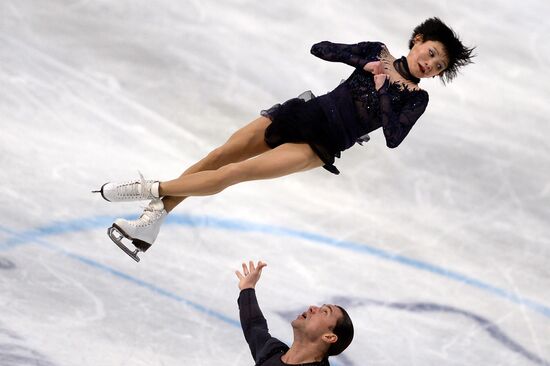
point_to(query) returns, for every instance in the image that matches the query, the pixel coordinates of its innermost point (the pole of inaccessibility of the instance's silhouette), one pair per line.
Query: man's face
(317, 321)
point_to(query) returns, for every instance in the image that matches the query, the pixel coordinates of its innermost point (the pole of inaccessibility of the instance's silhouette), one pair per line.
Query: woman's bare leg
(243, 144)
(283, 160)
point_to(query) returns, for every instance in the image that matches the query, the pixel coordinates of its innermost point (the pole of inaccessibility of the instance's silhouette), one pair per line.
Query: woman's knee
(226, 154)
(231, 174)
(216, 156)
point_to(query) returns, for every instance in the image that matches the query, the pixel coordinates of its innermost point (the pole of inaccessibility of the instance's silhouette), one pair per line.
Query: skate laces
(150, 214)
(133, 189)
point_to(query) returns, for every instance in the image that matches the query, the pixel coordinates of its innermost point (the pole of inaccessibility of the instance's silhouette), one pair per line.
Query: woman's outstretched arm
(356, 55)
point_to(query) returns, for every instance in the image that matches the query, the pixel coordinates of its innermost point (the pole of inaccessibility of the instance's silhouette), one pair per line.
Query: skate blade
(116, 236)
(100, 190)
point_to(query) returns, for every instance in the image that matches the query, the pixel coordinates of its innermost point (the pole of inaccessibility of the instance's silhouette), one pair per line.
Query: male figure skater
(319, 332)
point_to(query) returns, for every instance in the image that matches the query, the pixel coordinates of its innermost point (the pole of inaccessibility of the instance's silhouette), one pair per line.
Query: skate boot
(141, 232)
(138, 190)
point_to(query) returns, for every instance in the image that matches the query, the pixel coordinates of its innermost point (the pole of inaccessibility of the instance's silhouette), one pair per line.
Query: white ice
(439, 249)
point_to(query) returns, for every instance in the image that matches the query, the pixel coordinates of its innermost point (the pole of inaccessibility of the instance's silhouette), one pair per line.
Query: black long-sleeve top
(266, 350)
(355, 107)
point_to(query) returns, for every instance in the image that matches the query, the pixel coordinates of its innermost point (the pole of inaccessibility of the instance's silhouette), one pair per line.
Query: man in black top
(319, 332)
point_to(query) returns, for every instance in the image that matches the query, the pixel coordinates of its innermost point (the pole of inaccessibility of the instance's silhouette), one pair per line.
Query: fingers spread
(251, 268)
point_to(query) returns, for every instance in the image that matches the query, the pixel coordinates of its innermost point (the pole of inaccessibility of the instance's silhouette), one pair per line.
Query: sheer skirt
(299, 120)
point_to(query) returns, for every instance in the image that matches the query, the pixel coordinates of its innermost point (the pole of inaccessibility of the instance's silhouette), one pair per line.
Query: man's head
(328, 326)
(437, 51)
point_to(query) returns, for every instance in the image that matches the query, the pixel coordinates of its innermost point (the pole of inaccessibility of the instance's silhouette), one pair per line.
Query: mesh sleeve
(397, 124)
(356, 55)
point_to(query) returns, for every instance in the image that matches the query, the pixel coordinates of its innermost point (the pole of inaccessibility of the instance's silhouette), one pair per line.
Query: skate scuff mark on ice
(64, 68)
(136, 281)
(14, 352)
(5, 263)
(100, 222)
(83, 318)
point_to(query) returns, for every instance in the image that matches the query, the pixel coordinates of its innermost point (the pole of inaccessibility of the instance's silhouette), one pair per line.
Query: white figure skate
(138, 190)
(141, 232)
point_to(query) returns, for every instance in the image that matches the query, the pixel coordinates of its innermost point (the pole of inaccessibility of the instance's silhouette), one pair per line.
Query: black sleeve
(397, 124)
(253, 322)
(356, 55)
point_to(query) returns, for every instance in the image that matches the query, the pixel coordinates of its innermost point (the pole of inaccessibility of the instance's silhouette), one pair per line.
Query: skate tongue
(153, 211)
(154, 187)
(156, 205)
(143, 183)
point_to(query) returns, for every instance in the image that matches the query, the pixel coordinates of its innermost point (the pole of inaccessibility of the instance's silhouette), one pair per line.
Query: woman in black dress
(307, 132)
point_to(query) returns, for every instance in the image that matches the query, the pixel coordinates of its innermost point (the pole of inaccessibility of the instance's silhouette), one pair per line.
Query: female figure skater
(306, 132)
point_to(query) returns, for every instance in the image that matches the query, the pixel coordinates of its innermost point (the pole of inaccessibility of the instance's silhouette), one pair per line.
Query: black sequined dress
(334, 122)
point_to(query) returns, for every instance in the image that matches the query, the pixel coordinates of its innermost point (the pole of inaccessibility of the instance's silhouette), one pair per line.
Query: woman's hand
(377, 69)
(250, 274)
(374, 67)
(379, 80)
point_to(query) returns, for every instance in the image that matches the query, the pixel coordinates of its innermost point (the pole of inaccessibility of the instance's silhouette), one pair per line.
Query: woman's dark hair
(344, 331)
(433, 29)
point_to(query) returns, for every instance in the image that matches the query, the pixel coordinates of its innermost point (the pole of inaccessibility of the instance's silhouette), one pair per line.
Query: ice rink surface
(439, 249)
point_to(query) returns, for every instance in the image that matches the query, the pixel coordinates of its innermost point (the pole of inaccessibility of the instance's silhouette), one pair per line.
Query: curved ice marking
(136, 281)
(59, 228)
(425, 307)
(87, 316)
(158, 290)
(56, 228)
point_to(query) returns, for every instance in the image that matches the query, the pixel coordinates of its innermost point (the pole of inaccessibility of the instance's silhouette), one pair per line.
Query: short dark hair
(433, 29)
(344, 331)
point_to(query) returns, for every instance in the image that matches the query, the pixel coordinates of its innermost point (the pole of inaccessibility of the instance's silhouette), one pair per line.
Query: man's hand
(250, 274)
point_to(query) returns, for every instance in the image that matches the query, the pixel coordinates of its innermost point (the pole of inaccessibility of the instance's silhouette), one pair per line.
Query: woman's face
(427, 59)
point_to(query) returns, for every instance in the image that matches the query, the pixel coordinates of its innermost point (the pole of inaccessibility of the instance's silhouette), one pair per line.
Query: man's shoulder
(271, 348)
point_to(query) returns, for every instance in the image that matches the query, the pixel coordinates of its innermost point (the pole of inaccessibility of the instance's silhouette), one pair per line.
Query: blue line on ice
(114, 272)
(59, 228)
(156, 289)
